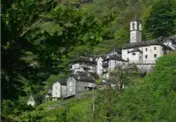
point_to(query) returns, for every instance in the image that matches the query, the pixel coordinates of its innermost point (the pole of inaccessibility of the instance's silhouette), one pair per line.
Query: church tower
(135, 31)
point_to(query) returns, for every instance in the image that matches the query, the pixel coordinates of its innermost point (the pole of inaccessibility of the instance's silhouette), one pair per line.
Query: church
(138, 51)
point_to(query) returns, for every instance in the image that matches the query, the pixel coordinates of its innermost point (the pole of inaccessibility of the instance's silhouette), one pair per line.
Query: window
(134, 54)
(145, 49)
(127, 59)
(145, 56)
(138, 25)
(154, 48)
(133, 26)
(155, 55)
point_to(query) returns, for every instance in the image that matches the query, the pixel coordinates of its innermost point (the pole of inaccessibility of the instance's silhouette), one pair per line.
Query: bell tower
(135, 31)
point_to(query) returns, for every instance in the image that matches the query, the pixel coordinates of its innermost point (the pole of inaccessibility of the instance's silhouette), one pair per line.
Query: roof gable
(115, 57)
(84, 78)
(135, 50)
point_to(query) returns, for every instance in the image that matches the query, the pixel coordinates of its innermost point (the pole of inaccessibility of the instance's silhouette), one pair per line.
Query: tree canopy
(162, 19)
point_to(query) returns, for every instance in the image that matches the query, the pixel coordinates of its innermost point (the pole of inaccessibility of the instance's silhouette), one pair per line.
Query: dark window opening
(137, 25)
(154, 48)
(127, 59)
(133, 25)
(155, 55)
(134, 54)
(145, 56)
(145, 49)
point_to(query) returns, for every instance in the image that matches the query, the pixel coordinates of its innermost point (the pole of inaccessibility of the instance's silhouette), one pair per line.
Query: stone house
(111, 63)
(84, 83)
(170, 42)
(86, 64)
(58, 89)
(99, 68)
(114, 51)
(71, 86)
(78, 84)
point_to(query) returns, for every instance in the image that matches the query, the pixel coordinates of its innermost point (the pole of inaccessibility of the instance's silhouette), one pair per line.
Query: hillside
(40, 38)
(152, 98)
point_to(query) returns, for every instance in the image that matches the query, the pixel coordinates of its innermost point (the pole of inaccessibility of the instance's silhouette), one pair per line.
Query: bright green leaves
(152, 100)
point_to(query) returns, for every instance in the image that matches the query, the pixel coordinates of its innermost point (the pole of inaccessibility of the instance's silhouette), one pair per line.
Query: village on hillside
(84, 71)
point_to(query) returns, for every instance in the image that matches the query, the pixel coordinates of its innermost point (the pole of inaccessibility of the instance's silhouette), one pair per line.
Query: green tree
(37, 37)
(154, 100)
(161, 20)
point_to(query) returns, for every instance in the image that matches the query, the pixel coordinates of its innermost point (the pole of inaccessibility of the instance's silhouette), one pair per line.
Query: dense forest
(40, 37)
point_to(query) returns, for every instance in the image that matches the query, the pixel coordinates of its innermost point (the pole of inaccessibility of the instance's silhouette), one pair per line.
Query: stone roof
(62, 81)
(84, 60)
(115, 57)
(118, 50)
(84, 78)
(49, 91)
(135, 50)
(81, 73)
(102, 56)
(141, 44)
(172, 38)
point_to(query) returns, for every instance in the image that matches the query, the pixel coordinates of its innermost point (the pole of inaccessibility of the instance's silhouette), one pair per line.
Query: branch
(28, 28)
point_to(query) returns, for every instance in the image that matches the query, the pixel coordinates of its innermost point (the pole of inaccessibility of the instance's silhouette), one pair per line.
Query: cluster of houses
(85, 71)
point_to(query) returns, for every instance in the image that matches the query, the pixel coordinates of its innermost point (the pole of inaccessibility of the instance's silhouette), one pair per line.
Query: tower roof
(136, 20)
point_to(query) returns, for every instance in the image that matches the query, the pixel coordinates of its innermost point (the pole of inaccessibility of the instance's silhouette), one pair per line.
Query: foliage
(40, 37)
(36, 43)
(161, 20)
(153, 100)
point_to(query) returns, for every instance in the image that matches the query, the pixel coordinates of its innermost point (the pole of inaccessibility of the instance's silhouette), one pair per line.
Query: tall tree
(162, 19)
(37, 37)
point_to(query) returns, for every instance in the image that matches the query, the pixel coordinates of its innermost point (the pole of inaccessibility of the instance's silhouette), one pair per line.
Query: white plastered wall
(56, 90)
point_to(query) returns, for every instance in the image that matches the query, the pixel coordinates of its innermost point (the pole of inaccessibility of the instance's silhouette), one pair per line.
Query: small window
(137, 25)
(145, 56)
(134, 54)
(155, 55)
(145, 49)
(133, 26)
(154, 48)
(140, 57)
(127, 59)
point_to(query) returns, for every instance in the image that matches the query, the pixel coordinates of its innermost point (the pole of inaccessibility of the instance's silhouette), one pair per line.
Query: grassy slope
(53, 110)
